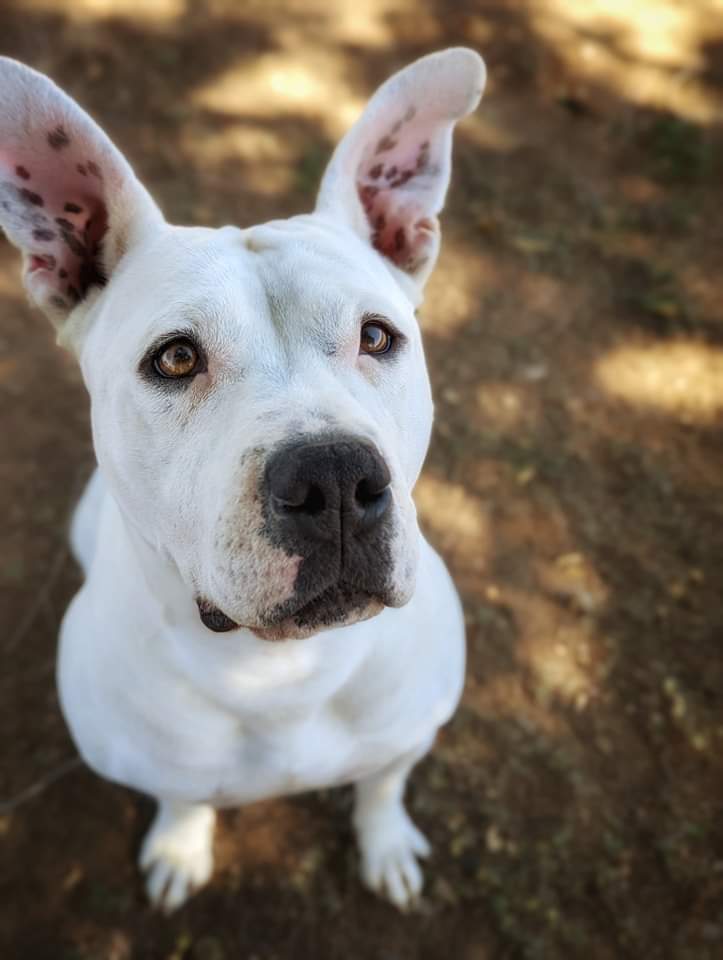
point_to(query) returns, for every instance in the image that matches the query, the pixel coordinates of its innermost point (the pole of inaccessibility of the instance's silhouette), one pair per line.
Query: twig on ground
(29, 793)
(43, 596)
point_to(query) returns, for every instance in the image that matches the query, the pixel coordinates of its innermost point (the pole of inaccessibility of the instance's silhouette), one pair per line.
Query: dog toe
(389, 861)
(177, 855)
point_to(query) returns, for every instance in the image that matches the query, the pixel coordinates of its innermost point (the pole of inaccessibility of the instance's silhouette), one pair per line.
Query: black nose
(327, 489)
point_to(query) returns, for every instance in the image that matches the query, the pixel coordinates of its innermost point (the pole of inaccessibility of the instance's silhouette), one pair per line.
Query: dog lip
(292, 628)
(323, 609)
(213, 618)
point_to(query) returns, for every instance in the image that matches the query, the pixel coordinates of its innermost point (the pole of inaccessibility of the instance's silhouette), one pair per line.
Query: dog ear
(389, 175)
(68, 199)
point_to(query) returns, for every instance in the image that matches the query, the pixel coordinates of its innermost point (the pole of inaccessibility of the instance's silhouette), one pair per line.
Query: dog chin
(298, 628)
(310, 619)
(339, 605)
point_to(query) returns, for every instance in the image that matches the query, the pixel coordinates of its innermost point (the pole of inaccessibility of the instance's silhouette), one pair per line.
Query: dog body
(154, 705)
(261, 614)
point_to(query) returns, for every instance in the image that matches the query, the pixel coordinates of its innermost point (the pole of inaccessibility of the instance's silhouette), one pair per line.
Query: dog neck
(150, 575)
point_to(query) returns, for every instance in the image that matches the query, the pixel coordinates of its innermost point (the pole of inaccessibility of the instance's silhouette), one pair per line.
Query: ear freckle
(405, 176)
(367, 195)
(58, 138)
(385, 144)
(32, 197)
(72, 241)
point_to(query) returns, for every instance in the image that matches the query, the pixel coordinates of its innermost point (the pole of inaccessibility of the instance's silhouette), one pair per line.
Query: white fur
(153, 699)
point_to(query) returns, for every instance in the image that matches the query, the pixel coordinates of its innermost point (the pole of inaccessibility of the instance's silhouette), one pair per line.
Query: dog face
(276, 472)
(260, 403)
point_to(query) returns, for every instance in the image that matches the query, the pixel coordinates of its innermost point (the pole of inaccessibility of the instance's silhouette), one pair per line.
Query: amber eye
(176, 359)
(375, 338)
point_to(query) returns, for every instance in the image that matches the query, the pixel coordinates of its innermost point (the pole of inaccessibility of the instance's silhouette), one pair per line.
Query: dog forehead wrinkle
(225, 299)
(312, 244)
(312, 312)
(320, 278)
(199, 259)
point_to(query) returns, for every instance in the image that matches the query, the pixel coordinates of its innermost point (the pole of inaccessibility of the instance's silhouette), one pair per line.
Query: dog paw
(390, 849)
(177, 854)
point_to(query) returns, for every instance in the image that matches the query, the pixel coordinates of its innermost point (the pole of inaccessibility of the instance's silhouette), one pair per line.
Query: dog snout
(330, 489)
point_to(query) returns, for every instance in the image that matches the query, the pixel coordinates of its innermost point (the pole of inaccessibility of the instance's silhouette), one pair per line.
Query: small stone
(493, 839)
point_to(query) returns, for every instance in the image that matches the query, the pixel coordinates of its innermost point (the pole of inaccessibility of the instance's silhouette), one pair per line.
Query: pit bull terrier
(260, 613)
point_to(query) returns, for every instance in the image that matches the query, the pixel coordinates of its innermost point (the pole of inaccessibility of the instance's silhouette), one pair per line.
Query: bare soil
(574, 332)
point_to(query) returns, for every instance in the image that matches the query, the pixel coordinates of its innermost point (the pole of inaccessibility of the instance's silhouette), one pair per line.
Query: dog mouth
(338, 604)
(215, 619)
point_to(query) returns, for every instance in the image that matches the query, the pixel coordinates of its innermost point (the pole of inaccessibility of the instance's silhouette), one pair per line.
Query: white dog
(261, 411)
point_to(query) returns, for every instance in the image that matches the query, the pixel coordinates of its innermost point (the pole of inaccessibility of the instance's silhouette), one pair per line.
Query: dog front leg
(389, 842)
(177, 852)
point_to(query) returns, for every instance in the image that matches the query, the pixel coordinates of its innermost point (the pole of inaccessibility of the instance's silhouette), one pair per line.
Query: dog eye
(176, 359)
(375, 338)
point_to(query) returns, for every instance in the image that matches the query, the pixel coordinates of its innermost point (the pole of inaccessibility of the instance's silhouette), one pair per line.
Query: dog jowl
(261, 410)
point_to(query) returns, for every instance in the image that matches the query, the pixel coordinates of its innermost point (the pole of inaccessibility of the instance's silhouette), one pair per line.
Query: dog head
(260, 403)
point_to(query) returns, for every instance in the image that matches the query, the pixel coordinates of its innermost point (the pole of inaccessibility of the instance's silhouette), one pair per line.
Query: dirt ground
(574, 330)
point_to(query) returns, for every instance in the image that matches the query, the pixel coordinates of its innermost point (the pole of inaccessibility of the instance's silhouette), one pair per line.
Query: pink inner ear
(396, 183)
(52, 207)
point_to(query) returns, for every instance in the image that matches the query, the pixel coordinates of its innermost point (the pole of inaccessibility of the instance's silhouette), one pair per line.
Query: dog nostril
(373, 499)
(368, 493)
(304, 499)
(315, 501)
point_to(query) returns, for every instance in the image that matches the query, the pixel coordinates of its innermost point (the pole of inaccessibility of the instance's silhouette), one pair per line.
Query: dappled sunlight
(490, 130)
(507, 695)
(264, 159)
(560, 658)
(517, 564)
(361, 22)
(146, 11)
(453, 295)
(572, 578)
(458, 521)
(648, 51)
(681, 377)
(559, 651)
(559, 643)
(285, 83)
(508, 406)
